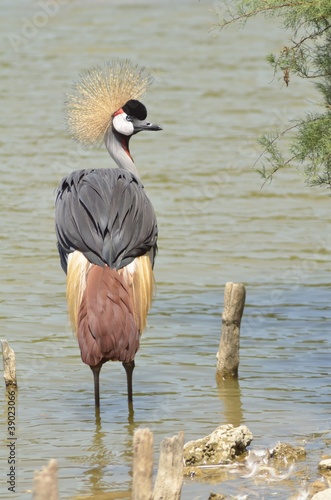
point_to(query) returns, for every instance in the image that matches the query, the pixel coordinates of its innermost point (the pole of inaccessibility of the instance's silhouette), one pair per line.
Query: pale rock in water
(325, 465)
(223, 444)
(323, 495)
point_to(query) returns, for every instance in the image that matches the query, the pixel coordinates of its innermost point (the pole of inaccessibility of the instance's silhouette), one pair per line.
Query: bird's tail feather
(106, 327)
(77, 270)
(108, 308)
(139, 276)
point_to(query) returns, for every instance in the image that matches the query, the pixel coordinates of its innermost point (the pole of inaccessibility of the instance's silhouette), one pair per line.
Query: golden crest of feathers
(100, 92)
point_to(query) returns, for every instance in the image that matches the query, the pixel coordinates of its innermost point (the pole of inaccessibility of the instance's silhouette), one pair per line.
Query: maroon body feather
(106, 326)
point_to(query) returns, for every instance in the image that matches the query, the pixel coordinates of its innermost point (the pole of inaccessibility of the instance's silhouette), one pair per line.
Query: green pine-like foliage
(308, 56)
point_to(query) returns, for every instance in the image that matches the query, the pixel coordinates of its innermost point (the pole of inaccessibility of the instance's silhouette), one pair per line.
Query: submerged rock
(223, 444)
(216, 496)
(325, 465)
(323, 495)
(287, 452)
(316, 487)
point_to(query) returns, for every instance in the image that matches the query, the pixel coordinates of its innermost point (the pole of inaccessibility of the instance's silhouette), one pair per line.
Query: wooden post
(228, 355)
(169, 479)
(9, 365)
(142, 464)
(45, 482)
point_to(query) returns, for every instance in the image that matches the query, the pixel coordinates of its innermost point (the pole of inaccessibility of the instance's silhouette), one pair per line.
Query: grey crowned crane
(105, 224)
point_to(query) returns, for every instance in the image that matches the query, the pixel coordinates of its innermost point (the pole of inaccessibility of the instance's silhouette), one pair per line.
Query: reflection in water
(230, 394)
(97, 418)
(99, 457)
(131, 413)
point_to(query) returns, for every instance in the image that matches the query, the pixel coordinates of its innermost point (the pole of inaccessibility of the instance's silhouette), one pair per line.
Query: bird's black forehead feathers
(136, 109)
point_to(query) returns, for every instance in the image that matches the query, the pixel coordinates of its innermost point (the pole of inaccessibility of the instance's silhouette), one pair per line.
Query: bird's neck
(118, 148)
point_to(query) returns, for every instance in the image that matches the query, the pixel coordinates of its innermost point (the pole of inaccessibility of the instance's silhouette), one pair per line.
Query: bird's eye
(129, 118)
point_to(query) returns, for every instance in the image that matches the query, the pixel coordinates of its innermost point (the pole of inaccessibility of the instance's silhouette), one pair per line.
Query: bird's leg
(96, 371)
(129, 367)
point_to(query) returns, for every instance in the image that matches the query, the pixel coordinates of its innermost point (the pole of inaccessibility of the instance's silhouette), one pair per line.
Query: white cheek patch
(121, 124)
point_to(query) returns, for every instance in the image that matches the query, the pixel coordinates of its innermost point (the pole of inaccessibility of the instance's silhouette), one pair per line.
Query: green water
(213, 94)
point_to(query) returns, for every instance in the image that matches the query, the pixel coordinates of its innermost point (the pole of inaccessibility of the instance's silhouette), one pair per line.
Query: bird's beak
(140, 125)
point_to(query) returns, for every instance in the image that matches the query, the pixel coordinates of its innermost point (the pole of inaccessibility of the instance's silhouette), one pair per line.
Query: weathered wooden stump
(45, 485)
(9, 365)
(228, 354)
(142, 464)
(169, 479)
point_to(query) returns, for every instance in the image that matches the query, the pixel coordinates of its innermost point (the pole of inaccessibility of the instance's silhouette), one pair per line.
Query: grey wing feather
(106, 215)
